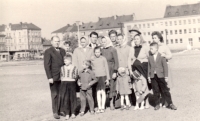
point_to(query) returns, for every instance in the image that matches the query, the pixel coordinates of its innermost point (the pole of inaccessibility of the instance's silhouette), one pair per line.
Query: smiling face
(155, 39)
(104, 42)
(120, 39)
(137, 40)
(94, 39)
(67, 61)
(113, 37)
(83, 42)
(55, 42)
(97, 52)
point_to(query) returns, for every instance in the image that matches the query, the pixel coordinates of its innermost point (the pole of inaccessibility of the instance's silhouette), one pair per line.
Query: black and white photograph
(99, 60)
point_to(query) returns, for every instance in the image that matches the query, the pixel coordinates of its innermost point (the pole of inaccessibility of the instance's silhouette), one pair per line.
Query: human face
(83, 42)
(132, 34)
(120, 39)
(153, 49)
(67, 61)
(66, 46)
(113, 37)
(97, 53)
(137, 40)
(55, 42)
(104, 42)
(85, 65)
(94, 39)
(156, 39)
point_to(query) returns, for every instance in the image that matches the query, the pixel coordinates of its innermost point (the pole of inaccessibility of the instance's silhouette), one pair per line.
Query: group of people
(112, 67)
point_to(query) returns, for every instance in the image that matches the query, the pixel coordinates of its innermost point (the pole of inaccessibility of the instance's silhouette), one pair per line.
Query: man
(133, 32)
(53, 60)
(93, 37)
(113, 37)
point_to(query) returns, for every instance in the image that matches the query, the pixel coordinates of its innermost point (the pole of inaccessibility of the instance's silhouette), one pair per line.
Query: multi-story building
(22, 37)
(180, 26)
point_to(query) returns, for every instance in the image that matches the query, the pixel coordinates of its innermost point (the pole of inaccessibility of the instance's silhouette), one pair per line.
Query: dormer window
(91, 26)
(177, 13)
(185, 12)
(193, 11)
(108, 24)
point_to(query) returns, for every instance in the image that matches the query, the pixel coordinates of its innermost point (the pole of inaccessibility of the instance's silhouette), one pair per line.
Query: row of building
(180, 26)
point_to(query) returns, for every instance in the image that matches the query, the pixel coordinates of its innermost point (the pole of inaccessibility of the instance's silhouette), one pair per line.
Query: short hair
(96, 48)
(67, 56)
(67, 43)
(159, 35)
(112, 32)
(141, 38)
(54, 37)
(93, 33)
(120, 35)
(154, 44)
(88, 63)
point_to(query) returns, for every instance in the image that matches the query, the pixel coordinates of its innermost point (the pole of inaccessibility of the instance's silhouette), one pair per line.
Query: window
(181, 41)
(199, 29)
(179, 22)
(199, 20)
(180, 31)
(171, 32)
(152, 24)
(194, 21)
(185, 31)
(144, 25)
(19, 34)
(177, 13)
(19, 40)
(139, 25)
(171, 41)
(184, 21)
(191, 41)
(167, 42)
(189, 21)
(148, 25)
(170, 23)
(185, 12)
(194, 30)
(144, 33)
(149, 33)
(175, 31)
(189, 30)
(161, 32)
(193, 11)
(174, 22)
(176, 40)
(165, 23)
(3, 56)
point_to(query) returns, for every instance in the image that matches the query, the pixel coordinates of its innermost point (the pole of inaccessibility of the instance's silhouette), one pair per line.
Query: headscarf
(108, 41)
(86, 40)
(124, 42)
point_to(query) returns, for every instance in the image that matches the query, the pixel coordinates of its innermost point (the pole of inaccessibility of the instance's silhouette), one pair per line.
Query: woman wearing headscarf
(141, 53)
(110, 53)
(164, 50)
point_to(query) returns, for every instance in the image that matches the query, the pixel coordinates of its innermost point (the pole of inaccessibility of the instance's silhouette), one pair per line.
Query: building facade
(180, 27)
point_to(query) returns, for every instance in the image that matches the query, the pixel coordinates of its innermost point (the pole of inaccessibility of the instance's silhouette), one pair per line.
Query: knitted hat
(122, 70)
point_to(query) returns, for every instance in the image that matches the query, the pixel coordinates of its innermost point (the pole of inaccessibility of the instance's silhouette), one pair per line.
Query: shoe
(127, 107)
(122, 108)
(157, 107)
(92, 112)
(56, 116)
(141, 108)
(81, 114)
(136, 108)
(164, 106)
(66, 117)
(62, 114)
(147, 107)
(112, 108)
(173, 107)
(98, 111)
(73, 116)
(102, 111)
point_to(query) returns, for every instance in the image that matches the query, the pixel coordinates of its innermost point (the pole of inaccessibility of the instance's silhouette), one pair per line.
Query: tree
(73, 39)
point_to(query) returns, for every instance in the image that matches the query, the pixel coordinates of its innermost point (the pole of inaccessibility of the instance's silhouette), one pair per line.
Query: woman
(110, 53)
(165, 52)
(141, 54)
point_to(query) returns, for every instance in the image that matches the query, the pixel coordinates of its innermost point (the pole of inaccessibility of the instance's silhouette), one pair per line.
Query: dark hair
(159, 35)
(154, 44)
(67, 56)
(96, 48)
(67, 43)
(120, 35)
(89, 64)
(93, 33)
(112, 32)
(82, 38)
(54, 37)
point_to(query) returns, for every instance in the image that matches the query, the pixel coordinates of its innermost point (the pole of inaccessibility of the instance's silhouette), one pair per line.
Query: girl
(141, 91)
(68, 88)
(100, 67)
(86, 80)
(123, 87)
(110, 53)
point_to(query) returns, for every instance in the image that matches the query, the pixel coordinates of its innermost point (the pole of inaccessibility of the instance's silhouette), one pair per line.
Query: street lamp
(121, 27)
(77, 23)
(166, 36)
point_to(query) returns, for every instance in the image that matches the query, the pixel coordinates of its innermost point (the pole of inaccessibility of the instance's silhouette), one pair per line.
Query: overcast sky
(51, 15)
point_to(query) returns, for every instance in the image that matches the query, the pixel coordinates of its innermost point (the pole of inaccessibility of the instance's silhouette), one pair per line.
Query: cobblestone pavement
(25, 95)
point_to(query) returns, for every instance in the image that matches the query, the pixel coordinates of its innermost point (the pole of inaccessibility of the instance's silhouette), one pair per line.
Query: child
(123, 87)
(86, 80)
(157, 75)
(68, 88)
(100, 67)
(141, 91)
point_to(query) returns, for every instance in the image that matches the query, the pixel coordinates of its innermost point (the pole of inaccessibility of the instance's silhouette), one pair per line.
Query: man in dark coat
(53, 60)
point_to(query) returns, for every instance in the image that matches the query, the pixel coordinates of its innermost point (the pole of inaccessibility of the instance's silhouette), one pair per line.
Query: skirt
(101, 83)
(112, 88)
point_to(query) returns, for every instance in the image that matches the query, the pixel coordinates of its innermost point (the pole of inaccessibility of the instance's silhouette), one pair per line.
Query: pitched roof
(74, 28)
(182, 10)
(88, 26)
(122, 19)
(2, 35)
(25, 25)
(62, 30)
(105, 23)
(2, 28)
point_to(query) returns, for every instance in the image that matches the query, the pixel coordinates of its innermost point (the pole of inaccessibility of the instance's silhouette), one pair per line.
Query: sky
(51, 15)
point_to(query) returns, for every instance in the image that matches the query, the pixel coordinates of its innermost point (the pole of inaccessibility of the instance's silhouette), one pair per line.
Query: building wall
(4, 56)
(181, 31)
(2, 44)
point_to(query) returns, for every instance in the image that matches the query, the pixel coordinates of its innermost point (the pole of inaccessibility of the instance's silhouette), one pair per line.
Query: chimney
(21, 23)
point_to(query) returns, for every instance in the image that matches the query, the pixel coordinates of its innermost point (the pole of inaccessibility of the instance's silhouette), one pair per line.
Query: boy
(68, 100)
(157, 76)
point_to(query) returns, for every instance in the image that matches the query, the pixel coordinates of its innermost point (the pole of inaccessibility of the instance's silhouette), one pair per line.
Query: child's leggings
(126, 98)
(101, 99)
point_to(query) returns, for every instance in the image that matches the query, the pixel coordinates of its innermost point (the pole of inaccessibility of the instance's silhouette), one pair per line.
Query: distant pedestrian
(68, 100)
(86, 80)
(158, 76)
(100, 67)
(53, 61)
